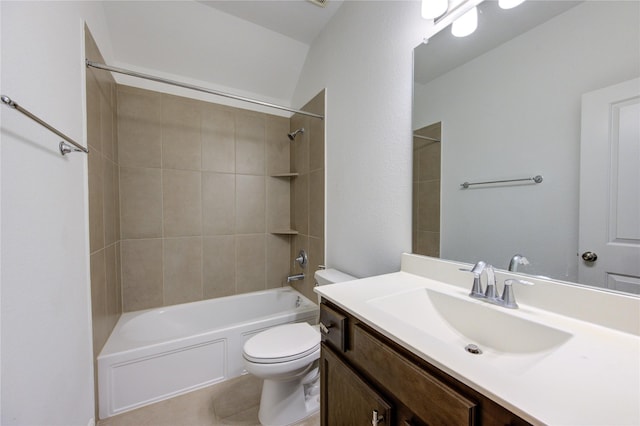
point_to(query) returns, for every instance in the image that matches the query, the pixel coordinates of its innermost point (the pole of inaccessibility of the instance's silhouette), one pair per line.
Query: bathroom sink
(461, 321)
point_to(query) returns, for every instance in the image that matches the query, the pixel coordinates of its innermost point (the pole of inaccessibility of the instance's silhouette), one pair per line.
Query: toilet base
(287, 402)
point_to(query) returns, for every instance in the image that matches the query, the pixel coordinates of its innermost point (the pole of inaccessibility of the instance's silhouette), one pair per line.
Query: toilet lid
(282, 343)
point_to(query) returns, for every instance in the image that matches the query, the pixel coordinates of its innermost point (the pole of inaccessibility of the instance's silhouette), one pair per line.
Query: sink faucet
(490, 295)
(296, 277)
(516, 260)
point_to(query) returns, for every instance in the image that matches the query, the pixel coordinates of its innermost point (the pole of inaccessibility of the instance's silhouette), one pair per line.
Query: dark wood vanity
(367, 379)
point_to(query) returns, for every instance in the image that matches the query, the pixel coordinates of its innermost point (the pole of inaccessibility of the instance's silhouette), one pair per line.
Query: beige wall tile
(219, 266)
(96, 201)
(106, 125)
(250, 204)
(141, 274)
(93, 112)
(182, 203)
(316, 144)
(218, 140)
(181, 144)
(112, 293)
(429, 206)
(118, 288)
(300, 147)
(300, 204)
(316, 203)
(182, 270)
(140, 202)
(277, 145)
(278, 260)
(250, 143)
(428, 243)
(429, 162)
(139, 127)
(250, 263)
(218, 203)
(110, 213)
(316, 253)
(278, 203)
(98, 300)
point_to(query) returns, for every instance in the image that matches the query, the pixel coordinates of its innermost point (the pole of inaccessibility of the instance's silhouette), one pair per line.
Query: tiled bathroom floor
(234, 402)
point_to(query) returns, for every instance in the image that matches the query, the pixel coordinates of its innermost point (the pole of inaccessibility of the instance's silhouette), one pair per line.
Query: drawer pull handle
(324, 329)
(376, 418)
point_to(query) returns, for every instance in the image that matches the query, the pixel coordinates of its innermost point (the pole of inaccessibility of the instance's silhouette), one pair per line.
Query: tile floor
(234, 402)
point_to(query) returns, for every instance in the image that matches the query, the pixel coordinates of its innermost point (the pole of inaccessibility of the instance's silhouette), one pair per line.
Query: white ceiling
(251, 48)
(301, 20)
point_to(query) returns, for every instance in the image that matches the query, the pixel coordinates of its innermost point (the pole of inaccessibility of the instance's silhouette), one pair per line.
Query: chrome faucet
(296, 277)
(516, 260)
(490, 295)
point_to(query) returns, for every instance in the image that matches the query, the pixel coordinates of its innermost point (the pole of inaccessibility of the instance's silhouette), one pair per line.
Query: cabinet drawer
(333, 327)
(430, 399)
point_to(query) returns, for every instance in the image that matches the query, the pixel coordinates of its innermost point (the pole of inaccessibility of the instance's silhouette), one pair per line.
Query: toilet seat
(283, 343)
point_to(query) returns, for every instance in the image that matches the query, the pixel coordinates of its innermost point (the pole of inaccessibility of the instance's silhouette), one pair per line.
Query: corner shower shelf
(285, 175)
(284, 232)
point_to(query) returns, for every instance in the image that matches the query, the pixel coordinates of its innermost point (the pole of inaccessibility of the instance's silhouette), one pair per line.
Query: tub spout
(296, 277)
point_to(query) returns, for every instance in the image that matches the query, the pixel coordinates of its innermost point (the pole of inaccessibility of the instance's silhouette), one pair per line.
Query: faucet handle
(508, 298)
(476, 290)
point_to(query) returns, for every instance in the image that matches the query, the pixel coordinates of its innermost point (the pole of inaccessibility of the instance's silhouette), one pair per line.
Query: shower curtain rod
(198, 88)
(426, 138)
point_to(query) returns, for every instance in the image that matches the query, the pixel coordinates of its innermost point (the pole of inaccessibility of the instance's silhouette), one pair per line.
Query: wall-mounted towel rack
(535, 179)
(64, 147)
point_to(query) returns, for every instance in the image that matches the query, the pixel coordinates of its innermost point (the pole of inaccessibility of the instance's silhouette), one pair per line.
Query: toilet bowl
(286, 358)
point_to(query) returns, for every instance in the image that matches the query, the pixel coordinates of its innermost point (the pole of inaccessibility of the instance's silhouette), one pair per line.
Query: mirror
(505, 103)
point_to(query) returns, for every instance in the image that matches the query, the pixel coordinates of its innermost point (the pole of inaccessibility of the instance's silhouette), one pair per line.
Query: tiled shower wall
(307, 192)
(197, 199)
(104, 219)
(426, 192)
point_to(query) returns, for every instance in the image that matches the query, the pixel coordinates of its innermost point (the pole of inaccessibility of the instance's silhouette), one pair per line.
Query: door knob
(589, 256)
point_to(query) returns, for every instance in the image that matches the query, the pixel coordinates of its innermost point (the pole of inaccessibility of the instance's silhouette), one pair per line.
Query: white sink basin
(460, 320)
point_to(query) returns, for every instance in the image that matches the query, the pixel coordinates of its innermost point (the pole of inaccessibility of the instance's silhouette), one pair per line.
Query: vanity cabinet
(367, 379)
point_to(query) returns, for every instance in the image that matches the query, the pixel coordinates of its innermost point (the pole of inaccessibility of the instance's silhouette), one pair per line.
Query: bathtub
(159, 353)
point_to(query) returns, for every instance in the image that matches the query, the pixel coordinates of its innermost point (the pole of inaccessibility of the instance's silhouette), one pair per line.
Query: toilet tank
(331, 276)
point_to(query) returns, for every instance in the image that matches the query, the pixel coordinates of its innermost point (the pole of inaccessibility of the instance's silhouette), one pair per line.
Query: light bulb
(431, 9)
(509, 4)
(466, 24)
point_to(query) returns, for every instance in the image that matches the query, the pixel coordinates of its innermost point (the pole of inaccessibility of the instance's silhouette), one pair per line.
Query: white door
(609, 241)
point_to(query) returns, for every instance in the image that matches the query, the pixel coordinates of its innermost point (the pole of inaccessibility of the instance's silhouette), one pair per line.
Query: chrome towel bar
(64, 147)
(535, 179)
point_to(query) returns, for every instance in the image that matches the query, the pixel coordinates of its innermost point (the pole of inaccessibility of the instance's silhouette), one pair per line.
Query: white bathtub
(159, 353)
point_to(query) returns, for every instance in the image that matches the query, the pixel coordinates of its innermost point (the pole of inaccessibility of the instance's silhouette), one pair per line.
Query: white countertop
(591, 379)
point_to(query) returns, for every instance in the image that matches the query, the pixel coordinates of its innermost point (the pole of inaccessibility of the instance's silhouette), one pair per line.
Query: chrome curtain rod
(63, 146)
(426, 138)
(535, 179)
(198, 88)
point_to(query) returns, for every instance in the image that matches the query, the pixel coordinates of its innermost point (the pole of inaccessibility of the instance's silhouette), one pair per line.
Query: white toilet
(286, 358)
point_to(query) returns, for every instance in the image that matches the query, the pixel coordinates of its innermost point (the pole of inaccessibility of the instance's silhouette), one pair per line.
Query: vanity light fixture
(457, 9)
(466, 24)
(431, 9)
(509, 4)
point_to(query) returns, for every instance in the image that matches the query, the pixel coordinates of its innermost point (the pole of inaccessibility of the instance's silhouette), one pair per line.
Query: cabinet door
(346, 399)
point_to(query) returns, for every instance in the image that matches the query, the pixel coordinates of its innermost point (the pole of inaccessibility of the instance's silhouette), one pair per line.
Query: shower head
(292, 135)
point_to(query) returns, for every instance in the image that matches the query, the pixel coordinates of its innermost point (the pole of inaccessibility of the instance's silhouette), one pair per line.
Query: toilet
(286, 358)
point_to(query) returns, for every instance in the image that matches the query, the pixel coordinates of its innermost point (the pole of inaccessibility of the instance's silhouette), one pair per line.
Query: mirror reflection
(508, 102)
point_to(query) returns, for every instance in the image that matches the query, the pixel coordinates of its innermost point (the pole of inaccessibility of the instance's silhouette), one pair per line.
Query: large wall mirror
(507, 103)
